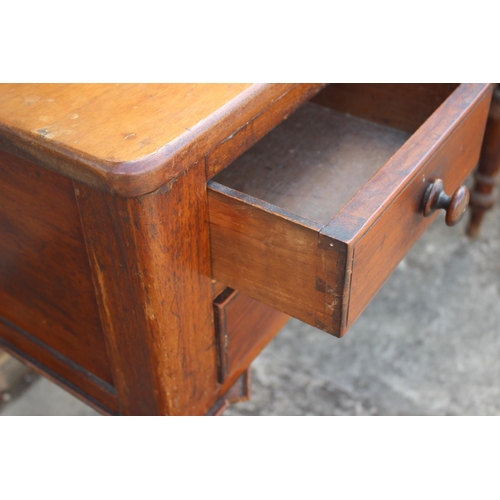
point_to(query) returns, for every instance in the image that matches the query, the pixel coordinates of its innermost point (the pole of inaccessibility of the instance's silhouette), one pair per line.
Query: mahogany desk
(144, 276)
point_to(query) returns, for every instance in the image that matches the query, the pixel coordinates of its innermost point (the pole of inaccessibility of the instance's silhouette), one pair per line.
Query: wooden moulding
(325, 272)
(59, 369)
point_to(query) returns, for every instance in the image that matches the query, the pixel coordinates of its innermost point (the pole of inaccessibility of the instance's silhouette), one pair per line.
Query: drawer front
(326, 273)
(384, 220)
(243, 327)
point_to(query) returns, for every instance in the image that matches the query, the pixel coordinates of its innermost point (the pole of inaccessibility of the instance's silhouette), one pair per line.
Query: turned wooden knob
(455, 205)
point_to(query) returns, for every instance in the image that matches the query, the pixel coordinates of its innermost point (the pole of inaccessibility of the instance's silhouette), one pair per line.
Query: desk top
(125, 138)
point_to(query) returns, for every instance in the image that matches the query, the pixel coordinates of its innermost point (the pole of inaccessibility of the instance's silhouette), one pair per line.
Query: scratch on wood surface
(324, 287)
(45, 132)
(31, 99)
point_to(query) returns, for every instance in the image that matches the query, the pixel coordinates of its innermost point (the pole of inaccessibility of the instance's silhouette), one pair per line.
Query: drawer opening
(314, 162)
(313, 219)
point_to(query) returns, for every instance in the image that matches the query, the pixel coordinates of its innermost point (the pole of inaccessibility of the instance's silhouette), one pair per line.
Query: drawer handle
(455, 205)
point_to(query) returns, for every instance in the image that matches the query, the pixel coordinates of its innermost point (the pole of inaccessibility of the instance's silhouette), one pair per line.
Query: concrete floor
(428, 344)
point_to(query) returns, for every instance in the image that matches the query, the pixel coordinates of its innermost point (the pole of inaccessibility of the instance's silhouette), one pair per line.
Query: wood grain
(151, 267)
(45, 280)
(379, 249)
(326, 273)
(271, 256)
(61, 370)
(116, 122)
(368, 204)
(217, 288)
(254, 130)
(128, 139)
(244, 327)
(404, 106)
(128, 301)
(313, 163)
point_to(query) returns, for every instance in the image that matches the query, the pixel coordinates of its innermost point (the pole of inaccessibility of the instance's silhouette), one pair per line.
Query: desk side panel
(47, 297)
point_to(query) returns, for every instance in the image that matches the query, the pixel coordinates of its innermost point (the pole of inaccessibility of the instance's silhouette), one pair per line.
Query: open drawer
(314, 217)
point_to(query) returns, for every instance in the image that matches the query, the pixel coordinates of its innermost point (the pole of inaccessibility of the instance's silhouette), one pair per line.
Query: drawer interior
(313, 218)
(314, 162)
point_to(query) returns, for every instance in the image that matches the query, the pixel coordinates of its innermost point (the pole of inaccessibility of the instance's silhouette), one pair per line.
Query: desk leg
(484, 195)
(150, 259)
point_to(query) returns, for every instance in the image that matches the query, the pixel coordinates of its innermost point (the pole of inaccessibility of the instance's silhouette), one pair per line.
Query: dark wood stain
(404, 106)
(113, 250)
(243, 327)
(150, 262)
(326, 268)
(60, 370)
(45, 281)
(313, 163)
(484, 194)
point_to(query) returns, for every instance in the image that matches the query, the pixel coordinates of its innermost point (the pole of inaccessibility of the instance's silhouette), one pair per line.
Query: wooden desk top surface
(125, 138)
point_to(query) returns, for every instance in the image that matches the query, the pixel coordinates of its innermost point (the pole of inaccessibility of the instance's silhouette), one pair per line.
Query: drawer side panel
(270, 257)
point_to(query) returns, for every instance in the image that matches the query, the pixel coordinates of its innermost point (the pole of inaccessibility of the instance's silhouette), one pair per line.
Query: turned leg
(484, 193)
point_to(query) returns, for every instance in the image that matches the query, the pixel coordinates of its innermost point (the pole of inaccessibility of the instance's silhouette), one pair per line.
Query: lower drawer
(243, 328)
(314, 218)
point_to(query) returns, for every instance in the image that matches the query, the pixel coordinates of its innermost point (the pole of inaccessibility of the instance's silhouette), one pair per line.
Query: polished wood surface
(151, 266)
(243, 327)
(130, 138)
(484, 194)
(455, 205)
(124, 317)
(267, 254)
(115, 122)
(325, 273)
(383, 220)
(113, 250)
(48, 308)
